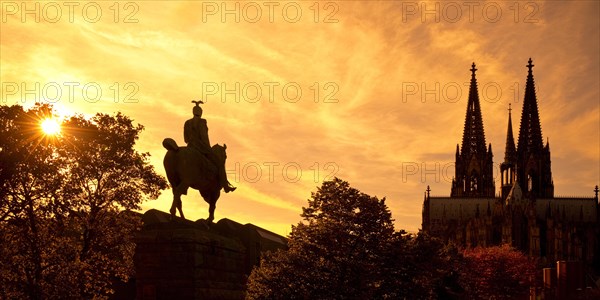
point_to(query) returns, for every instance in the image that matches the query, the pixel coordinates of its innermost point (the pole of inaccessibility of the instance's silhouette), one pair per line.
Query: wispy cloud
(374, 130)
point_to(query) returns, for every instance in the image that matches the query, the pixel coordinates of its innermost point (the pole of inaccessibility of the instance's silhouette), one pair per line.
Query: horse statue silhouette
(197, 166)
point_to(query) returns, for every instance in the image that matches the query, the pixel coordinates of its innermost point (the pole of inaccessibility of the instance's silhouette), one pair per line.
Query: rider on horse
(195, 133)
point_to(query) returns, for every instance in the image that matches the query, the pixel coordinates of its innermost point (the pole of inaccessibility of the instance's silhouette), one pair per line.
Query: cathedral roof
(449, 208)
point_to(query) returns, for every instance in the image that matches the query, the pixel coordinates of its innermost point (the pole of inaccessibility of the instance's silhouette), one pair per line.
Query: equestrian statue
(198, 166)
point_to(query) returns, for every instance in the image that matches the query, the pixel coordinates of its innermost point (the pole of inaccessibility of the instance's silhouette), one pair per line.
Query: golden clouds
(366, 61)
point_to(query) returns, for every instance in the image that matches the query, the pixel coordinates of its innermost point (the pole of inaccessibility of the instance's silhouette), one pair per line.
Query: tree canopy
(501, 272)
(346, 248)
(334, 254)
(66, 226)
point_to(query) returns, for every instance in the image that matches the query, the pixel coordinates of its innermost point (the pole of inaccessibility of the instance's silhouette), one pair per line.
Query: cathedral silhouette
(525, 214)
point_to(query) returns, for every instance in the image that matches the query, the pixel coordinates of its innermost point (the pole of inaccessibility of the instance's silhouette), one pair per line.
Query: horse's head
(220, 152)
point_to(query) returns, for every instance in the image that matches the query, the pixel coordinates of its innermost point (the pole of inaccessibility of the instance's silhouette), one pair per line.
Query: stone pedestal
(183, 259)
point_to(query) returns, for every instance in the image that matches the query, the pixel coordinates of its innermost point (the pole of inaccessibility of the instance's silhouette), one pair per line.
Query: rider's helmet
(197, 111)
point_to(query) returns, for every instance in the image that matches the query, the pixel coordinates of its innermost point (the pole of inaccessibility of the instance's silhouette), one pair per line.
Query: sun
(50, 126)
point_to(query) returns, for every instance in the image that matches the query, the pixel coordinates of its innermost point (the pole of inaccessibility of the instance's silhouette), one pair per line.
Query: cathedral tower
(533, 158)
(474, 166)
(507, 168)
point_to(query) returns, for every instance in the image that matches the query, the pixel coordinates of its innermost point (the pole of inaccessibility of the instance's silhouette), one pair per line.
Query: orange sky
(377, 120)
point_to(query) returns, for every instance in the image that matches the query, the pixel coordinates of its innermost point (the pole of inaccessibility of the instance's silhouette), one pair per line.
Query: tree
(28, 177)
(346, 248)
(65, 202)
(501, 272)
(337, 252)
(421, 267)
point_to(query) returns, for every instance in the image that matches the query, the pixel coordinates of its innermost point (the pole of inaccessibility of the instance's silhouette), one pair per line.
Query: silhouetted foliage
(346, 248)
(421, 267)
(500, 272)
(335, 253)
(65, 226)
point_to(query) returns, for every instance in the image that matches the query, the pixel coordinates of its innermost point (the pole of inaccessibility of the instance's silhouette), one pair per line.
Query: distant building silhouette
(525, 214)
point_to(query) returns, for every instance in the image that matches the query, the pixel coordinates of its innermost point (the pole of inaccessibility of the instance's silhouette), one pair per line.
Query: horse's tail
(170, 144)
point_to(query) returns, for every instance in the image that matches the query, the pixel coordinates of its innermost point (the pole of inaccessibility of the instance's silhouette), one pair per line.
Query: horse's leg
(212, 205)
(176, 199)
(180, 208)
(177, 204)
(209, 198)
(211, 211)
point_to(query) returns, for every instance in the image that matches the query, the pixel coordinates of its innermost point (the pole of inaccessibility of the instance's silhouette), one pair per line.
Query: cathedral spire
(533, 159)
(474, 164)
(508, 168)
(530, 133)
(473, 135)
(510, 153)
